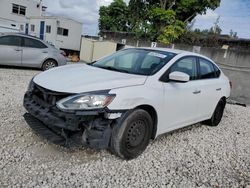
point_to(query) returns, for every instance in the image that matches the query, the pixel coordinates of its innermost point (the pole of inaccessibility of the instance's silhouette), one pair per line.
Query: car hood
(81, 78)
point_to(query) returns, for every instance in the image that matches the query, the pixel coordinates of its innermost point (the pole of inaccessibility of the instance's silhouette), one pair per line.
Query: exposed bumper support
(91, 128)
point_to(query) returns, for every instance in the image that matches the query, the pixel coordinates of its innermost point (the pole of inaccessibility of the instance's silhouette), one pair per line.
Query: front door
(181, 98)
(10, 50)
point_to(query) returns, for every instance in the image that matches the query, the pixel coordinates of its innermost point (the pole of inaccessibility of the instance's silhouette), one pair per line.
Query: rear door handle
(45, 52)
(18, 50)
(218, 89)
(197, 92)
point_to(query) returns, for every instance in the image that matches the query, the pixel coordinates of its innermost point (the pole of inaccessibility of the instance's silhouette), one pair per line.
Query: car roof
(19, 34)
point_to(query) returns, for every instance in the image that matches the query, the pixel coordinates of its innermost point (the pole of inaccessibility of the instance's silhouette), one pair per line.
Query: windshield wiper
(113, 68)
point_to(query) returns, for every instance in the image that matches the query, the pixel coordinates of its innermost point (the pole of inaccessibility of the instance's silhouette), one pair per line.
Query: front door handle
(197, 92)
(218, 89)
(18, 50)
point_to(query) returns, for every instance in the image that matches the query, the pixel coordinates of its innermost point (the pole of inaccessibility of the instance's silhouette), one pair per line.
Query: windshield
(136, 61)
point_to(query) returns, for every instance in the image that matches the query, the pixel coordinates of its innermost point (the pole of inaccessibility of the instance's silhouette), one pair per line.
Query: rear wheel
(131, 135)
(217, 115)
(49, 64)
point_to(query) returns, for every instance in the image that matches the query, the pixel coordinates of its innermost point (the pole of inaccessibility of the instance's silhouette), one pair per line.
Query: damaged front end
(91, 128)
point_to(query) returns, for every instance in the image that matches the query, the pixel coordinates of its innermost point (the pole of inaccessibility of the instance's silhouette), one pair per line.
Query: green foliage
(114, 17)
(186, 10)
(172, 32)
(165, 27)
(163, 20)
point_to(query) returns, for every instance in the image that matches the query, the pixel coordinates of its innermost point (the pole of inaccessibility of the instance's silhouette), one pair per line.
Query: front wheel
(217, 115)
(132, 134)
(49, 64)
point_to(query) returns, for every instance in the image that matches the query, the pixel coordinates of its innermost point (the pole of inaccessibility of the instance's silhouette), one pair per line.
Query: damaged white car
(123, 101)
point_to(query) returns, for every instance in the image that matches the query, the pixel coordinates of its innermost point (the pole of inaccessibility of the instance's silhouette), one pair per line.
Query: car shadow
(19, 68)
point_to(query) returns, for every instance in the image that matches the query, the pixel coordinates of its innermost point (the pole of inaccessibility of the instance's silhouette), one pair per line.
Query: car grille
(47, 96)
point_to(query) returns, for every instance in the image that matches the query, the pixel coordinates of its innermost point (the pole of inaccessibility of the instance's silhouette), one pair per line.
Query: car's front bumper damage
(90, 128)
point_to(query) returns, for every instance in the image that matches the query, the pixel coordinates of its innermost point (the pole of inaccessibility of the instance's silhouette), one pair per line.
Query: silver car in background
(28, 51)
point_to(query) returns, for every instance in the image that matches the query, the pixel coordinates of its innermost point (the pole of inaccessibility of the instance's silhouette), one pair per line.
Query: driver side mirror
(179, 77)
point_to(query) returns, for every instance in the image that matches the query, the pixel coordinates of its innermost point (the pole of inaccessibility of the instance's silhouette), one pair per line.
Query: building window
(32, 28)
(18, 9)
(48, 29)
(62, 31)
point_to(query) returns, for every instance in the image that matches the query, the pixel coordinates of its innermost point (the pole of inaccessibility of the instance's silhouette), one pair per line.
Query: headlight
(85, 102)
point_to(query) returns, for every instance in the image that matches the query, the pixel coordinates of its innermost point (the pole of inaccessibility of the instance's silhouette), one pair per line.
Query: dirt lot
(197, 156)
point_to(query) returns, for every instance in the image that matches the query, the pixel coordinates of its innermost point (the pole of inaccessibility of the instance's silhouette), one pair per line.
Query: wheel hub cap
(136, 133)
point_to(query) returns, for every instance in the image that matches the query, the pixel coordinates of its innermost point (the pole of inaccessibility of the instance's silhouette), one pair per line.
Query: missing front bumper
(91, 129)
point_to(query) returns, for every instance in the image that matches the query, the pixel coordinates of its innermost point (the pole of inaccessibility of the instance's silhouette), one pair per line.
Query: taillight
(231, 85)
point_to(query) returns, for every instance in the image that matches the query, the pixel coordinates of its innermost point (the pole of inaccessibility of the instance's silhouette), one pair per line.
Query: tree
(165, 20)
(172, 32)
(165, 27)
(114, 17)
(216, 29)
(233, 34)
(186, 10)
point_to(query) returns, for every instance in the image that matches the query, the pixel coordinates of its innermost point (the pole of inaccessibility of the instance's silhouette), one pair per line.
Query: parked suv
(124, 100)
(27, 51)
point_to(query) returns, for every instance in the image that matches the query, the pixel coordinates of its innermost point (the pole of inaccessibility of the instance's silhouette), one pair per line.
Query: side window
(32, 43)
(10, 40)
(186, 65)
(206, 69)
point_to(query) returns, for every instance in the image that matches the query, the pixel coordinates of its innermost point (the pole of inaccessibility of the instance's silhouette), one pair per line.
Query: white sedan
(122, 101)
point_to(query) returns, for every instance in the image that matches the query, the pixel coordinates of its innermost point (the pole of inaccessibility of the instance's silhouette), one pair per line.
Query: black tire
(48, 64)
(131, 135)
(217, 115)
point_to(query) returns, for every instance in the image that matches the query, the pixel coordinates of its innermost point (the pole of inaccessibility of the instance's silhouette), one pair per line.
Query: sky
(234, 14)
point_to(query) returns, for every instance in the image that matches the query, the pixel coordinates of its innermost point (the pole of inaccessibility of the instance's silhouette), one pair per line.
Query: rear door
(34, 52)
(10, 50)
(209, 86)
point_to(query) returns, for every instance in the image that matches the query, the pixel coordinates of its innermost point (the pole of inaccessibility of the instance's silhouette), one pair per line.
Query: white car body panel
(176, 104)
(82, 78)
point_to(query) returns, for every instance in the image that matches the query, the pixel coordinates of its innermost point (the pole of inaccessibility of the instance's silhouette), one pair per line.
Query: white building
(28, 16)
(64, 33)
(14, 14)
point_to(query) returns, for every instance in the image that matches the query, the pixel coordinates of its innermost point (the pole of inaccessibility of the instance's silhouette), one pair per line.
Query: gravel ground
(197, 156)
